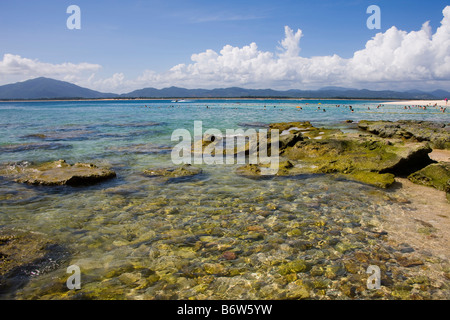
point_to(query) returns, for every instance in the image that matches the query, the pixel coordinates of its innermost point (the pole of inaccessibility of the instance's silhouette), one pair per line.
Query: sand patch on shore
(422, 219)
(440, 155)
(440, 103)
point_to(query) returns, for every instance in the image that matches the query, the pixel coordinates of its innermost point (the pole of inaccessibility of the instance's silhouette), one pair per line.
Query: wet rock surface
(12, 148)
(438, 134)
(185, 170)
(24, 255)
(141, 149)
(56, 173)
(367, 159)
(435, 175)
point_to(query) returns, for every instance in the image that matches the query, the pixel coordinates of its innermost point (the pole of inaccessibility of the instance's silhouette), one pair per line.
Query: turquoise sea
(136, 237)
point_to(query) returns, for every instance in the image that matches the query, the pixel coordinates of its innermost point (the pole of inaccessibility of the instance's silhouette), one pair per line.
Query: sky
(285, 44)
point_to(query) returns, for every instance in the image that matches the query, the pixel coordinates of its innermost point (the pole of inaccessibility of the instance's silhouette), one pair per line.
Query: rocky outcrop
(368, 159)
(438, 134)
(435, 175)
(185, 170)
(57, 173)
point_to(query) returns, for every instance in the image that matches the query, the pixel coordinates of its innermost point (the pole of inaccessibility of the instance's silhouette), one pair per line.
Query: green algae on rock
(370, 160)
(25, 254)
(435, 175)
(57, 173)
(380, 180)
(435, 132)
(185, 170)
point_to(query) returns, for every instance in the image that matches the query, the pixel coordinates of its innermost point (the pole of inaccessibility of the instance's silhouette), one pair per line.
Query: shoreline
(400, 102)
(428, 103)
(203, 98)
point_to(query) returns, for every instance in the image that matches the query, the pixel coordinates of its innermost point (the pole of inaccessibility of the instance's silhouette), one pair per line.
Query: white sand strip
(440, 103)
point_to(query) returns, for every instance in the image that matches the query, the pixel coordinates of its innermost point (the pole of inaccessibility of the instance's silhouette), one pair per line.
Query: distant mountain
(45, 88)
(175, 92)
(332, 88)
(441, 94)
(234, 92)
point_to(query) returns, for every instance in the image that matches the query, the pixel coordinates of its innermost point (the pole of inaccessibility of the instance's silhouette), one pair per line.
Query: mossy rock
(297, 291)
(282, 126)
(384, 180)
(249, 170)
(366, 159)
(185, 170)
(435, 175)
(434, 132)
(58, 173)
(346, 155)
(295, 266)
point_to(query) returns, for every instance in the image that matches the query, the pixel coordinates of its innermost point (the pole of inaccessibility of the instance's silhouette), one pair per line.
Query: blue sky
(128, 37)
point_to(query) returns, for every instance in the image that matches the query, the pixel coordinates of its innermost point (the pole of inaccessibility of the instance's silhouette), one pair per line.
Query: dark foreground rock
(57, 173)
(24, 255)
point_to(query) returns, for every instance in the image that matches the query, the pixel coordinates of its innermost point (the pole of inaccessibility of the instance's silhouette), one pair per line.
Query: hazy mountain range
(45, 88)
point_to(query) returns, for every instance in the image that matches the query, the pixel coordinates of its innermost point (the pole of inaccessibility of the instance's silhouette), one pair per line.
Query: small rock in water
(229, 255)
(59, 173)
(182, 171)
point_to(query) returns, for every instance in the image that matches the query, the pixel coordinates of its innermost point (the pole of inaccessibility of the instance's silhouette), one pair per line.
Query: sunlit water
(141, 237)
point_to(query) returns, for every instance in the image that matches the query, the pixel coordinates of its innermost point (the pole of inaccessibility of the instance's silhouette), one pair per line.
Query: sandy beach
(440, 103)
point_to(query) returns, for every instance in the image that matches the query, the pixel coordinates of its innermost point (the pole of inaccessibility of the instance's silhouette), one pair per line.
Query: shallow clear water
(141, 237)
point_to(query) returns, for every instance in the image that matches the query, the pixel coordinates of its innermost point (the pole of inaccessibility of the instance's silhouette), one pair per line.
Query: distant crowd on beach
(350, 108)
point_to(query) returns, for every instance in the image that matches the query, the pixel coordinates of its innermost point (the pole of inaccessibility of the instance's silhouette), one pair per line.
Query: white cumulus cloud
(15, 66)
(393, 59)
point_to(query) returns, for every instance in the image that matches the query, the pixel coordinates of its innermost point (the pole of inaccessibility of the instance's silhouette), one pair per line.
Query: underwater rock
(185, 170)
(129, 278)
(58, 173)
(142, 148)
(229, 255)
(25, 254)
(134, 124)
(297, 290)
(295, 266)
(250, 170)
(62, 135)
(253, 125)
(33, 146)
